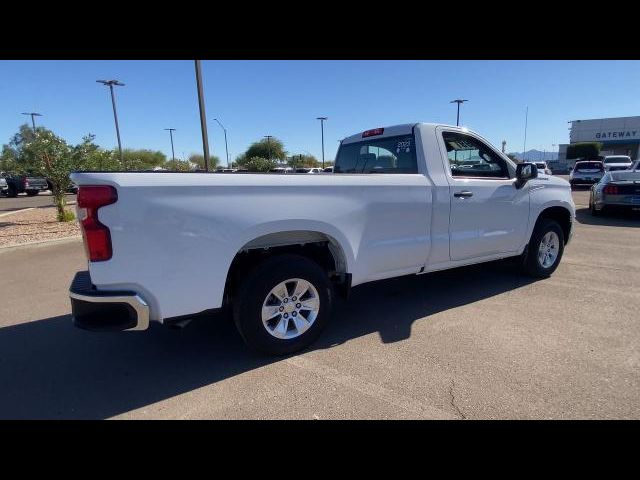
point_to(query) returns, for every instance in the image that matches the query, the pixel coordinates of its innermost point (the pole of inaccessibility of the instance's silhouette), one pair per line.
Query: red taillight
(26, 183)
(610, 190)
(371, 133)
(97, 238)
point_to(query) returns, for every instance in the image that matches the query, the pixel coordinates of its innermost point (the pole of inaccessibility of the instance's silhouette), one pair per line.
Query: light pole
(269, 137)
(524, 148)
(458, 101)
(110, 84)
(173, 155)
(203, 118)
(33, 122)
(322, 119)
(226, 147)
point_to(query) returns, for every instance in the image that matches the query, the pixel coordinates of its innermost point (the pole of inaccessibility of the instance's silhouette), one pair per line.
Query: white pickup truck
(406, 199)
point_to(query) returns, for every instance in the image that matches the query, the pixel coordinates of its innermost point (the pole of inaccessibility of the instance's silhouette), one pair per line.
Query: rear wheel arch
(322, 249)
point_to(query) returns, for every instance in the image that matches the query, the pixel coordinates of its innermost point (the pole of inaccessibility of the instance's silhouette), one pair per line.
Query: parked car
(308, 170)
(282, 246)
(4, 187)
(328, 170)
(614, 163)
(586, 173)
(635, 166)
(543, 167)
(616, 190)
(74, 188)
(31, 185)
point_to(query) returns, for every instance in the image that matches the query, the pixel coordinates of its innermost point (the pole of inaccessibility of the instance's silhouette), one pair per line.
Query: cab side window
(378, 155)
(471, 158)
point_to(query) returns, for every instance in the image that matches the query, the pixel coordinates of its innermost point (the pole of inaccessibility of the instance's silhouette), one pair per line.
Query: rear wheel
(594, 212)
(32, 193)
(283, 305)
(545, 249)
(12, 192)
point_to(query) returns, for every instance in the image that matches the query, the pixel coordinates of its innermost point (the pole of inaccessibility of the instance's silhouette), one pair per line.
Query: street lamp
(110, 84)
(225, 140)
(33, 122)
(322, 119)
(173, 155)
(458, 101)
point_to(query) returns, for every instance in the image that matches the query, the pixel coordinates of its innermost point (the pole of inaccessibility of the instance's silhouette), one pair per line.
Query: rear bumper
(106, 311)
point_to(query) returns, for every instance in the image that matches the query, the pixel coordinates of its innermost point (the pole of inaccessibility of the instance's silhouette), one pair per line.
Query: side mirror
(524, 173)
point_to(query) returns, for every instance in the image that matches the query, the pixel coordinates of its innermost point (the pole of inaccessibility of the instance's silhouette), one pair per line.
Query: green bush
(67, 216)
(258, 164)
(584, 150)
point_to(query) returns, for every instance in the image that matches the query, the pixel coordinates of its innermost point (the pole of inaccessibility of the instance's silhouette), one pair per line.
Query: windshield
(589, 166)
(617, 160)
(541, 165)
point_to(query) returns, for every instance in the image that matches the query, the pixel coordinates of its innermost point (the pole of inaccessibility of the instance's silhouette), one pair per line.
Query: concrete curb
(17, 211)
(41, 243)
(30, 208)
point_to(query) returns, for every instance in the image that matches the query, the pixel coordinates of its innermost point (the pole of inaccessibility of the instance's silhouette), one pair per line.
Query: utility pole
(33, 122)
(171, 130)
(110, 84)
(203, 118)
(504, 145)
(322, 120)
(269, 137)
(458, 101)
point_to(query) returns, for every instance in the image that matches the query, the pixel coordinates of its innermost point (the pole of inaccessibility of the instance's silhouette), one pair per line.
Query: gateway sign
(620, 134)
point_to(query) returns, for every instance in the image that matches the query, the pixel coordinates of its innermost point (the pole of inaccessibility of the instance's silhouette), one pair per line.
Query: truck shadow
(49, 369)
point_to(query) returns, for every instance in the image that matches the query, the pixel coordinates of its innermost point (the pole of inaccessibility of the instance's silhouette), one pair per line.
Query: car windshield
(617, 160)
(589, 166)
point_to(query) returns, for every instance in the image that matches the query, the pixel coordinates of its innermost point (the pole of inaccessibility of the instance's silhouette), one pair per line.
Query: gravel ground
(35, 225)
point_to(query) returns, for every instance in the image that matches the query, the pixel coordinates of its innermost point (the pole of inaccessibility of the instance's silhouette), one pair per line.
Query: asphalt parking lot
(43, 199)
(480, 342)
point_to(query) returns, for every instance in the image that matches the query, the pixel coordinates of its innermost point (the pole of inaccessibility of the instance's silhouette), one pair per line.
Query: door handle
(463, 194)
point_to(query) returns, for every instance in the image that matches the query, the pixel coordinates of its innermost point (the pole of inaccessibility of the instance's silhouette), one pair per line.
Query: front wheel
(283, 305)
(545, 249)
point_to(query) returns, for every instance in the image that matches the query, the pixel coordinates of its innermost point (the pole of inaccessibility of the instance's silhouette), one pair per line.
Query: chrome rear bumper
(104, 310)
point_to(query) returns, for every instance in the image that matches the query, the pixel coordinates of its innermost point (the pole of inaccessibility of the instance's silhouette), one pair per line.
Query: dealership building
(619, 136)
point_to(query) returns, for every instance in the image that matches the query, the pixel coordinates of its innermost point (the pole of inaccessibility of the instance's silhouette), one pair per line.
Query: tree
(259, 164)
(198, 159)
(54, 159)
(309, 161)
(178, 166)
(514, 158)
(142, 159)
(266, 148)
(584, 150)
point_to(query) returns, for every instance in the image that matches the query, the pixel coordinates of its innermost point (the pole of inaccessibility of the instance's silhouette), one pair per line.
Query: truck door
(489, 215)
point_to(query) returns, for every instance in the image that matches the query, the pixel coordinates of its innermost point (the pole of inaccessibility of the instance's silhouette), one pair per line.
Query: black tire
(12, 191)
(595, 212)
(32, 193)
(247, 303)
(531, 264)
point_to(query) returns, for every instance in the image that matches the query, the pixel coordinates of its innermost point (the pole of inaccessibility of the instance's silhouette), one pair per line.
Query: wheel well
(560, 215)
(322, 250)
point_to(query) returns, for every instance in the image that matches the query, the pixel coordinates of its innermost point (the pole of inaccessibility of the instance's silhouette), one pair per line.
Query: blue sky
(283, 99)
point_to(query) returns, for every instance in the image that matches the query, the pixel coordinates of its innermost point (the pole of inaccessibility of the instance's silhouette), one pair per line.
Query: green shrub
(67, 216)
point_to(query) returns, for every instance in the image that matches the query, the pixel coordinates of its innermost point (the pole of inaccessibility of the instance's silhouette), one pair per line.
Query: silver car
(586, 173)
(616, 190)
(4, 188)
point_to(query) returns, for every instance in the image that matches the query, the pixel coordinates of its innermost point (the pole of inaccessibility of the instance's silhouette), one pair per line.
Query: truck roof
(401, 129)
